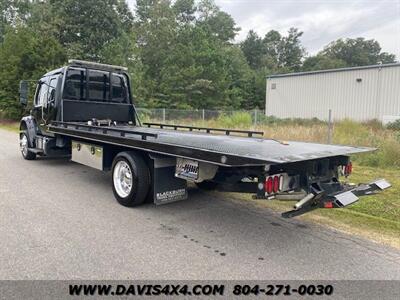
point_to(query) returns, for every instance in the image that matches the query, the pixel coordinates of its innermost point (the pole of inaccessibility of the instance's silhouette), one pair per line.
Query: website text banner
(274, 289)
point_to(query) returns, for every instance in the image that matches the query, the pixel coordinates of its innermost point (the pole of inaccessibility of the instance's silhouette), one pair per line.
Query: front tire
(24, 146)
(130, 179)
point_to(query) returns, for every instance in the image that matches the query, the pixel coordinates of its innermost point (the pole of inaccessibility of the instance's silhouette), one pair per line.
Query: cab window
(119, 88)
(75, 84)
(41, 95)
(52, 89)
(99, 85)
(95, 85)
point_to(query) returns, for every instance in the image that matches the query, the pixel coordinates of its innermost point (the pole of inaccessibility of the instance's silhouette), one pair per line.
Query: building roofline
(334, 70)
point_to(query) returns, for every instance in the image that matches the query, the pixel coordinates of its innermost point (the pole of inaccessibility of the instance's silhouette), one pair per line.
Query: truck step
(36, 150)
(51, 152)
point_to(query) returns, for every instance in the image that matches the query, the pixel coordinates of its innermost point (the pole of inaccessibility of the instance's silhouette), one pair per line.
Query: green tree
(357, 52)
(322, 62)
(24, 54)
(216, 22)
(274, 52)
(193, 74)
(180, 53)
(12, 13)
(185, 10)
(253, 49)
(272, 43)
(87, 29)
(155, 32)
(291, 52)
(186, 57)
(238, 79)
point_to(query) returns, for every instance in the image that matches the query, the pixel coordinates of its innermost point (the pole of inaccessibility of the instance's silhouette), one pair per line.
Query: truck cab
(45, 105)
(78, 92)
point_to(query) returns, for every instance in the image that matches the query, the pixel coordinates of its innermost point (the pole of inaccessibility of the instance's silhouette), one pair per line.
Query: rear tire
(130, 179)
(24, 146)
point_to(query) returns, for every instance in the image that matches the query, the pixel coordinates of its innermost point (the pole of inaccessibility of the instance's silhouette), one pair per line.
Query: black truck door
(40, 99)
(49, 106)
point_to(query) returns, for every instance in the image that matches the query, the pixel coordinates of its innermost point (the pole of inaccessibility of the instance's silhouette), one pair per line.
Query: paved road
(59, 220)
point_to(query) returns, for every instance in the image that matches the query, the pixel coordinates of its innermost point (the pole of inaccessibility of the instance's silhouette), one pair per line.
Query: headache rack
(94, 65)
(249, 133)
(103, 129)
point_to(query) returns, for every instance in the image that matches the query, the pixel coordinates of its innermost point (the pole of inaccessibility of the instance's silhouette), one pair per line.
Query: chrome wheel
(23, 145)
(122, 178)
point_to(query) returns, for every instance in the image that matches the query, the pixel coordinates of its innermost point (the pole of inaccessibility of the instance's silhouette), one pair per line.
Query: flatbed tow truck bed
(238, 151)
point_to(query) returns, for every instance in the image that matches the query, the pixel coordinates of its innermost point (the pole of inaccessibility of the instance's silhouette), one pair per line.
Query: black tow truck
(86, 110)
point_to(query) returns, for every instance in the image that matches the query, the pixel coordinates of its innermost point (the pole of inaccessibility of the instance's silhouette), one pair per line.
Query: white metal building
(359, 93)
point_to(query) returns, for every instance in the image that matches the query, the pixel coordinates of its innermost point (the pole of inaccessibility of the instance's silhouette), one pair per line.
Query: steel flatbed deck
(225, 150)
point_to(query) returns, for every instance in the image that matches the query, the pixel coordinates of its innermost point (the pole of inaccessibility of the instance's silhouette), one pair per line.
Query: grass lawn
(9, 125)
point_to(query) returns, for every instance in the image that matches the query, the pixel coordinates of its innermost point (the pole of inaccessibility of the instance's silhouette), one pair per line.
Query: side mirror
(23, 92)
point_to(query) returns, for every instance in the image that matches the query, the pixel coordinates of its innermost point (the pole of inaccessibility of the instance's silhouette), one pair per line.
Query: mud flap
(346, 196)
(166, 188)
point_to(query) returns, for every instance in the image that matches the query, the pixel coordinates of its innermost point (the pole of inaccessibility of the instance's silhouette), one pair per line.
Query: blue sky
(321, 21)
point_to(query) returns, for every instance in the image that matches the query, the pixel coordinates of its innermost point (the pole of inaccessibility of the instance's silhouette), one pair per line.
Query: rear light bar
(273, 184)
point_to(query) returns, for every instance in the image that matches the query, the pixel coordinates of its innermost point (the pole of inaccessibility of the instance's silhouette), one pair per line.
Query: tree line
(180, 54)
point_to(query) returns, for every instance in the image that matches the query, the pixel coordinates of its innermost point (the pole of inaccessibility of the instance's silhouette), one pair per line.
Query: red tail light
(269, 185)
(276, 184)
(348, 169)
(273, 184)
